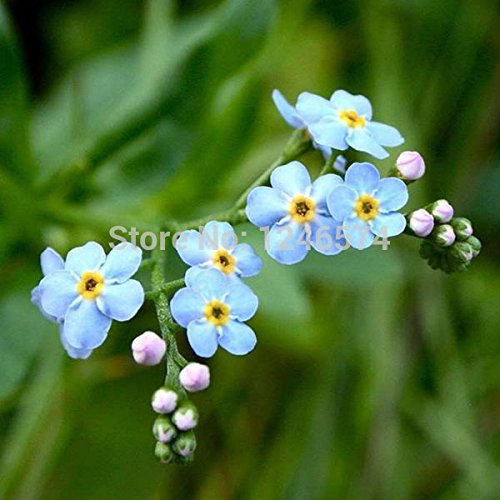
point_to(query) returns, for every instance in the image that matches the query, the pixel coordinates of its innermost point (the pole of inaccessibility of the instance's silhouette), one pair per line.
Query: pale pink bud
(421, 222)
(148, 349)
(195, 377)
(410, 165)
(164, 401)
(185, 417)
(444, 235)
(442, 211)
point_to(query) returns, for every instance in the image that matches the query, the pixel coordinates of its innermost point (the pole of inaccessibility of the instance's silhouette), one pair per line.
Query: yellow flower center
(90, 285)
(302, 209)
(217, 312)
(224, 261)
(366, 207)
(352, 119)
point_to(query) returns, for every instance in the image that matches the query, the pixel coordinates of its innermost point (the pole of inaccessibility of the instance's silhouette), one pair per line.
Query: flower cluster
(87, 291)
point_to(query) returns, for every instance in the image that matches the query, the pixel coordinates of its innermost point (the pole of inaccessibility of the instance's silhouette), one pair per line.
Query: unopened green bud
(164, 430)
(475, 245)
(444, 236)
(462, 252)
(164, 453)
(462, 227)
(185, 444)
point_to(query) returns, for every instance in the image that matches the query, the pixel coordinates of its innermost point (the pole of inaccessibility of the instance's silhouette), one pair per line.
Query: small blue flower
(345, 120)
(89, 292)
(367, 205)
(216, 247)
(213, 309)
(296, 214)
(295, 120)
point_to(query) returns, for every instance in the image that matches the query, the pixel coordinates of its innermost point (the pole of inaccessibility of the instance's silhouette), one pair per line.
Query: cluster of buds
(449, 244)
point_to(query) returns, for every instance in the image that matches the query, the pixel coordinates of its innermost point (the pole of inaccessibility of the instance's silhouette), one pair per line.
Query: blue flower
(345, 120)
(89, 292)
(296, 213)
(213, 309)
(367, 205)
(295, 120)
(216, 247)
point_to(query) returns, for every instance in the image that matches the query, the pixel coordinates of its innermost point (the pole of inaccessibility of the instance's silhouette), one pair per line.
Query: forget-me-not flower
(213, 309)
(346, 120)
(217, 246)
(367, 205)
(90, 291)
(295, 211)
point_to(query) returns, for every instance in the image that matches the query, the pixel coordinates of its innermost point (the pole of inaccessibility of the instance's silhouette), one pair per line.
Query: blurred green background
(374, 377)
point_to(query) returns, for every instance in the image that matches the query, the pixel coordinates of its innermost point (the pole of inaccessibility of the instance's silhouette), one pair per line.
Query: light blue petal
(57, 291)
(392, 194)
(331, 133)
(217, 235)
(324, 235)
(187, 305)
(361, 140)
(237, 338)
(192, 274)
(325, 150)
(362, 177)
(282, 243)
(340, 164)
(202, 337)
(341, 202)
(192, 248)
(385, 135)
(343, 100)
(122, 262)
(358, 233)
(322, 187)
(287, 111)
(266, 206)
(247, 261)
(312, 107)
(210, 283)
(36, 300)
(72, 351)
(121, 301)
(89, 257)
(51, 261)
(292, 178)
(242, 301)
(388, 224)
(85, 327)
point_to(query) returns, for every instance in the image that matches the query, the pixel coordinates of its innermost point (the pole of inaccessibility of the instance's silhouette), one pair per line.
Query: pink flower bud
(164, 401)
(421, 222)
(442, 211)
(148, 349)
(185, 417)
(444, 235)
(410, 165)
(195, 377)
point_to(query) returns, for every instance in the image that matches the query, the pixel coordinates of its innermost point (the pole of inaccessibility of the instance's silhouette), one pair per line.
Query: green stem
(328, 167)
(168, 288)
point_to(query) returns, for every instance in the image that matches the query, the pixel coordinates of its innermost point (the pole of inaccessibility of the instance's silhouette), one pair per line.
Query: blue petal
(187, 305)
(266, 206)
(51, 261)
(85, 327)
(89, 257)
(325, 150)
(122, 262)
(57, 292)
(392, 194)
(360, 140)
(330, 133)
(385, 134)
(192, 274)
(237, 338)
(217, 235)
(121, 301)
(322, 187)
(362, 177)
(210, 283)
(247, 261)
(343, 100)
(242, 301)
(292, 178)
(312, 107)
(340, 163)
(388, 224)
(358, 233)
(73, 352)
(282, 243)
(193, 248)
(36, 300)
(341, 202)
(324, 235)
(202, 337)
(287, 111)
